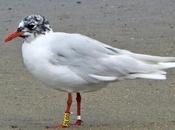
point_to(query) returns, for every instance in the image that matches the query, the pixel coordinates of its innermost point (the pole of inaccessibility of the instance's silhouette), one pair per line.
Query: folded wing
(96, 62)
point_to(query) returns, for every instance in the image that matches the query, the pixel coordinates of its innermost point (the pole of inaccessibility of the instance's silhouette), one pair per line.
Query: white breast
(36, 57)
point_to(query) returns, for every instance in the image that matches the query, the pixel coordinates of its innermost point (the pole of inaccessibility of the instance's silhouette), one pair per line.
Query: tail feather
(157, 62)
(133, 65)
(155, 76)
(166, 65)
(150, 58)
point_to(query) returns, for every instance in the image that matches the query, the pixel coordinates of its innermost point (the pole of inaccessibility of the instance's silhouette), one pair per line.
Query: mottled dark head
(29, 28)
(33, 25)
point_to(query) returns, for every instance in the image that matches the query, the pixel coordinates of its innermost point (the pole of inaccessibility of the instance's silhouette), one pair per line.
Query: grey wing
(86, 57)
(96, 62)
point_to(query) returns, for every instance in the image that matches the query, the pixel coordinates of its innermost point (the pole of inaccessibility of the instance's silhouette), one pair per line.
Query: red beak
(12, 35)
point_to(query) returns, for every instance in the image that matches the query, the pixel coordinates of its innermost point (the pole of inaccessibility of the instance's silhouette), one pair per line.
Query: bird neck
(33, 36)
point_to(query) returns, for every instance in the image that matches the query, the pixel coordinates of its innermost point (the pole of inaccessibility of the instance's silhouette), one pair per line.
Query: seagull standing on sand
(75, 63)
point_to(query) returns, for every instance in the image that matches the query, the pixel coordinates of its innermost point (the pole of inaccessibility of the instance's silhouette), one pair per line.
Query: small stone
(118, 19)
(9, 8)
(115, 41)
(78, 2)
(171, 26)
(14, 126)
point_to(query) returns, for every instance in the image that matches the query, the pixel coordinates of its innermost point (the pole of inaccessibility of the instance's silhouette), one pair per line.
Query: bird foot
(56, 126)
(65, 123)
(77, 123)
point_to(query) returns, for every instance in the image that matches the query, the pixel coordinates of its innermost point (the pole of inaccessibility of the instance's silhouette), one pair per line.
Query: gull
(75, 63)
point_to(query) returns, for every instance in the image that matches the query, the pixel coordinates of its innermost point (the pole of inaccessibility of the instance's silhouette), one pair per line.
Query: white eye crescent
(21, 24)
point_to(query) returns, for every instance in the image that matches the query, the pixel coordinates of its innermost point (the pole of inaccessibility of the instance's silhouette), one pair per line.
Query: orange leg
(78, 121)
(69, 103)
(66, 119)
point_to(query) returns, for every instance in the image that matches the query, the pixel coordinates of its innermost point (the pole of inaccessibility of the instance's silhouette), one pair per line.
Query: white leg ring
(78, 117)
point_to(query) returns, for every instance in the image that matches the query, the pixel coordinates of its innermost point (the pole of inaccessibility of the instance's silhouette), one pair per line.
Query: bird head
(30, 27)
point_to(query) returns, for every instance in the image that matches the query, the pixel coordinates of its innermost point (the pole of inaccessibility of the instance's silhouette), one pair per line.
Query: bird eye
(31, 26)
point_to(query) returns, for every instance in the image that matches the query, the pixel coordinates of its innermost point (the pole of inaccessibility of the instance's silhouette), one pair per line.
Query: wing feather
(95, 61)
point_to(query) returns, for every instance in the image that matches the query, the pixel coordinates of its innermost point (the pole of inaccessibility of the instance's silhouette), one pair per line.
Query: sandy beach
(142, 26)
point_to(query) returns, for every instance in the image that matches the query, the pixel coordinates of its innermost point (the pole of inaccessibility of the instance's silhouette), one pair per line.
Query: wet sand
(140, 26)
